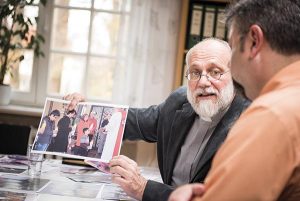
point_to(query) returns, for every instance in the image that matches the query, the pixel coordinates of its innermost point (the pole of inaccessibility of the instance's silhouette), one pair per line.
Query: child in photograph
(83, 147)
(83, 123)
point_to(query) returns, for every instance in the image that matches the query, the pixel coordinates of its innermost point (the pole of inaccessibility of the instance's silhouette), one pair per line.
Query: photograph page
(92, 131)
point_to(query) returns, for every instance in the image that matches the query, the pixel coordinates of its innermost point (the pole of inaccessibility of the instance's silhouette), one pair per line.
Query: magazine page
(92, 131)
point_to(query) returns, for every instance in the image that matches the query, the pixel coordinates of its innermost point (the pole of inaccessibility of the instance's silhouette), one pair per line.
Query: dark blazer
(168, 124)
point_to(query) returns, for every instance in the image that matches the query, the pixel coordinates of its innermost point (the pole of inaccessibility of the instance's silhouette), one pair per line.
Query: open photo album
(92, 131)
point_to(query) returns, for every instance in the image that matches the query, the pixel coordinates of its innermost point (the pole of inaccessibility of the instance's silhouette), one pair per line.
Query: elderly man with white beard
(188, 127)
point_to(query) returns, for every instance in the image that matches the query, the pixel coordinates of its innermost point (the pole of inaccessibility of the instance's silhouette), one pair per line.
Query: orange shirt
(260, 159)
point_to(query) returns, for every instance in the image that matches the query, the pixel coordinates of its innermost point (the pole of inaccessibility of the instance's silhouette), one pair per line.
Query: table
(62, 182)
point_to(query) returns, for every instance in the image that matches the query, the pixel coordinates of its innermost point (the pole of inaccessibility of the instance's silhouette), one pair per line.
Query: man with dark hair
(189, 126)
(45, 132)
(260, 160)
(61, 140)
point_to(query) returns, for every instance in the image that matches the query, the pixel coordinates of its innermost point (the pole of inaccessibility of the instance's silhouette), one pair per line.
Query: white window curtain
(149, 51)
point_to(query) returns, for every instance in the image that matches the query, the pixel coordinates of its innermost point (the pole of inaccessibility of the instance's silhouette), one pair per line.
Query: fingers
(124, 162)
(126, 159)
(187, 192)
(119, 160)
(124, 167)
(118, 180)
(131, 188)
(126, 173)
(198, 189)
(75, 98)
(72, 104)
(120, 171)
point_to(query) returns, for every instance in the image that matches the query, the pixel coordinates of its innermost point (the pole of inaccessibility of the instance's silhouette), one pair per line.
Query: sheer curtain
(148, 52)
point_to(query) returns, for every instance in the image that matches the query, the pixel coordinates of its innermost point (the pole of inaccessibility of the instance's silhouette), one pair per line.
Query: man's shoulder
(176, 99)
(181, 91)
(45, 119)
(178, 95)
(238, 105)
(282, 102)
(241, 102)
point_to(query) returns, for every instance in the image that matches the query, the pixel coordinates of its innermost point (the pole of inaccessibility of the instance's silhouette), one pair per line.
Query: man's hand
(75, 98)
(187, 192)
(127, 174)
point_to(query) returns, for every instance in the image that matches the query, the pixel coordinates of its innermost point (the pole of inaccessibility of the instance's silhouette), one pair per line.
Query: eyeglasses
(211, 75)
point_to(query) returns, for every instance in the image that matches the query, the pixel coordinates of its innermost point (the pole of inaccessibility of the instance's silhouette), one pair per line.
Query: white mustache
(205, 91)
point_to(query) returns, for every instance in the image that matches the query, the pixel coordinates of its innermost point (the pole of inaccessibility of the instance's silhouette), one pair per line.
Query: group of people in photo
(72, 133)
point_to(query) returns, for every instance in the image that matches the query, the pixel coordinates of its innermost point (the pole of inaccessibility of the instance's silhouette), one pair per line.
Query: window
(83, 39)
(119, 51)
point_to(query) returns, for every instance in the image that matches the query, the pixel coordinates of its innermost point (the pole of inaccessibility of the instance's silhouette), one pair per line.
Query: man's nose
(204, 81)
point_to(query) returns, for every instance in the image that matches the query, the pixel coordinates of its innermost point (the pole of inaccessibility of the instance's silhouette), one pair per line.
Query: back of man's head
(279, 20)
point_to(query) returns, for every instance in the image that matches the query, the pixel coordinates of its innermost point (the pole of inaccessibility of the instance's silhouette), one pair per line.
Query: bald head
(211, 47)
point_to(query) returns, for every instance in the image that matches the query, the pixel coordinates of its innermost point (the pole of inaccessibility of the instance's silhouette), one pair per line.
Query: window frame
(41, 66)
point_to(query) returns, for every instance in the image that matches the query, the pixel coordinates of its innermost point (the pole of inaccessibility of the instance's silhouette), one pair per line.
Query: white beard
(207, 108)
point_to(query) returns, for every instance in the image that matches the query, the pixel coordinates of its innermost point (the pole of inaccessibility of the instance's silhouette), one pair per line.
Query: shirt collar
(283, 78)
(215, 119)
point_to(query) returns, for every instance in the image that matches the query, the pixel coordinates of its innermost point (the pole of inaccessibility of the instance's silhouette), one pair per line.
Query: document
(12, 170)
(81, 190)
(91, 178)
(92, 131)
(15, 196)
(18, 182)
(113, 192)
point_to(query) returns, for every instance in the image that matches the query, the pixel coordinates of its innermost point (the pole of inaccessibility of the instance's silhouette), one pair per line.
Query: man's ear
(256, 39)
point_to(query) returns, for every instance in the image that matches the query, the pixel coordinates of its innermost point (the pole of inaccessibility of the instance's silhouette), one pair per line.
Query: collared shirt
(193, 147)
(260, 159)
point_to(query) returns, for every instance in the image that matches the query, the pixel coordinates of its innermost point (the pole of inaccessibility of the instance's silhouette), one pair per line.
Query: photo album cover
(92, 131)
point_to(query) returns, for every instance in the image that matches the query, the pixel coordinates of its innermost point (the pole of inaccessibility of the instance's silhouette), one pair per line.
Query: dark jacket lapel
(218, 137)
(181, 125)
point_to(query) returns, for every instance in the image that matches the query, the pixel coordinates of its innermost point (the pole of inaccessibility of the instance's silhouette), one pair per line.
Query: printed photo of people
(91, 130)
